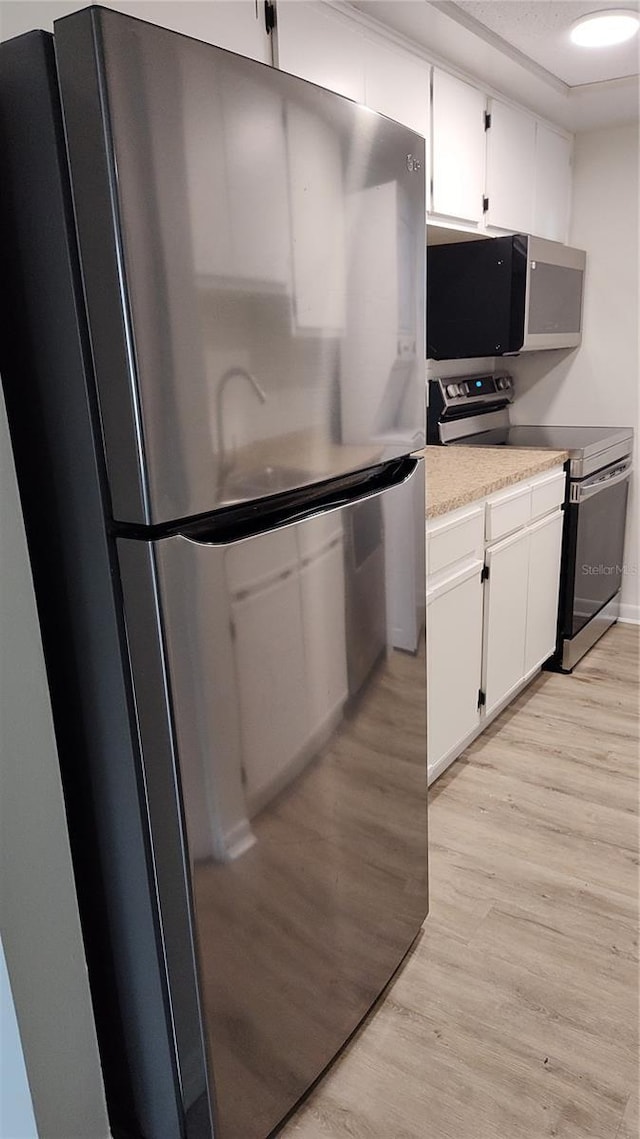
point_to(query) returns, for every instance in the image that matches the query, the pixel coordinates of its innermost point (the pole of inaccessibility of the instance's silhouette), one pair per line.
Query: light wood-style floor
(516, 1014)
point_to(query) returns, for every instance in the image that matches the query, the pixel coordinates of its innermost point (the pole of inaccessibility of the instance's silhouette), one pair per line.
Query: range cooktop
(580, 442)
(473, 411)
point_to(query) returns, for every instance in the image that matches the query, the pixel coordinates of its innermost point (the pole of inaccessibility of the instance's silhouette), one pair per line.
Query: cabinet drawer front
(547, 493)
(507, 511)
(454, 538)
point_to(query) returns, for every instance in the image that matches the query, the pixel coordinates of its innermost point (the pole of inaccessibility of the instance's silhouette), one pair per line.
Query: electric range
(473, 411)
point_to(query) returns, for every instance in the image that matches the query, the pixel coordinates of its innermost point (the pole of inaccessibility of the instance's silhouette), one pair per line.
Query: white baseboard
(629, 614)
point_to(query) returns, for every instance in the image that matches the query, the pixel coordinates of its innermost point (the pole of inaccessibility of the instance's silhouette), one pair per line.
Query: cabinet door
(454, 648)
(552, 184)
(458, 143)
(397, 85)
(511, 143)
(505, 620)
(237, 25)
(320, 46)
(545, 541)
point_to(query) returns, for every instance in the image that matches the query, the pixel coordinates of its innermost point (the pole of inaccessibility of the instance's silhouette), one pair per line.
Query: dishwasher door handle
(580, 492)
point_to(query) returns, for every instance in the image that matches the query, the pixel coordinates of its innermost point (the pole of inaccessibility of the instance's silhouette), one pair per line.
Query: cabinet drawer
(508, 511)
(547, 493)
(454, 537)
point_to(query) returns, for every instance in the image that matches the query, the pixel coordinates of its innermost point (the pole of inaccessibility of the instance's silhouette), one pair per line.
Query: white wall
(16, 1107)
(38, 910)
(597, 384)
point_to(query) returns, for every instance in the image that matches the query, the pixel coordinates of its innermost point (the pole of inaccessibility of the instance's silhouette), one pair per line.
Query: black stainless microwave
(503, 295)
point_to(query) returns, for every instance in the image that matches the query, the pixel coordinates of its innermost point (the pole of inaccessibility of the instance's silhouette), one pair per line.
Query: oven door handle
(581, 492)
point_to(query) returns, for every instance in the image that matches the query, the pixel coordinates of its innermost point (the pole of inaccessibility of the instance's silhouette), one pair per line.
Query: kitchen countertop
(458, 475)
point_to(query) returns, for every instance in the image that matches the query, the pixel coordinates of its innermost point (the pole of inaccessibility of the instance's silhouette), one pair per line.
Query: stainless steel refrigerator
(214, 369)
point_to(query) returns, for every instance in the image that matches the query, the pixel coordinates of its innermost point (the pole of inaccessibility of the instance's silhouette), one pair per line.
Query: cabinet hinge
(485, 205)
(482, 699)
(484, 573)
(487, 120)
(269, 15)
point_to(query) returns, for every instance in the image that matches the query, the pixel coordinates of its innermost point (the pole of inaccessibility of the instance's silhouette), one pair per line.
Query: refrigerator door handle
(274, 513)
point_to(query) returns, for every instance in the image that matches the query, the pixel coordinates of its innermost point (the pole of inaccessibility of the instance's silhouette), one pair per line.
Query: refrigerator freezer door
(252, 248)
(302, 777)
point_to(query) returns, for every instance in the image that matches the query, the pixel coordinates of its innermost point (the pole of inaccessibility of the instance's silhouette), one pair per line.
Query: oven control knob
(502, 383)
(464, 389)
(452, 390)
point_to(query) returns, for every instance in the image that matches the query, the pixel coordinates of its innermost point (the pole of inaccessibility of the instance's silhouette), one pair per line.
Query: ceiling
(540, 30)
(519, 48)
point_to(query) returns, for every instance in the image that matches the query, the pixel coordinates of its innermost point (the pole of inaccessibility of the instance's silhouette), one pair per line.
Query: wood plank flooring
(516, 1014)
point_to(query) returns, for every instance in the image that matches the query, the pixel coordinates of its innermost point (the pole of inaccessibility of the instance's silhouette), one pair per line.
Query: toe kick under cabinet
(493, 573)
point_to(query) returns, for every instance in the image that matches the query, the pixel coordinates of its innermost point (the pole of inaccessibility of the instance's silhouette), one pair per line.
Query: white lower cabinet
(454, 648)
(505, 624)
(545, 545)
(492, 603)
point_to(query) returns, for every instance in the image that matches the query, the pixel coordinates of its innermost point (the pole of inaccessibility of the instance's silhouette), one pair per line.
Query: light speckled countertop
(458, 475)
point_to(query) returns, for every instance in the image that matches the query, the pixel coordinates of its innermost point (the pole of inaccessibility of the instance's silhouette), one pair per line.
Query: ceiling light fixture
(601, 29)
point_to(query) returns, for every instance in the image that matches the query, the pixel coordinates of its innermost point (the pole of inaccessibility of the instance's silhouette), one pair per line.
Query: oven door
(594, 544)
(554, 294)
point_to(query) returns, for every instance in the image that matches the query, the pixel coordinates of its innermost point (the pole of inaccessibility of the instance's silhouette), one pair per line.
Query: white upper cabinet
(236, 25)
(552, 184)
(520, 164)
(318, 45)
(458, 148)
(511, 152)
(397, 84)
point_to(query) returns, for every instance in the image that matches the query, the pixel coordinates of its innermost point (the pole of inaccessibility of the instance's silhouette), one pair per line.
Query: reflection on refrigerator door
(321, 304)
(303, 782)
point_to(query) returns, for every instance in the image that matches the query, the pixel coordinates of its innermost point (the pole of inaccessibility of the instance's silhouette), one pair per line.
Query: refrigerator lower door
(301, 771)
